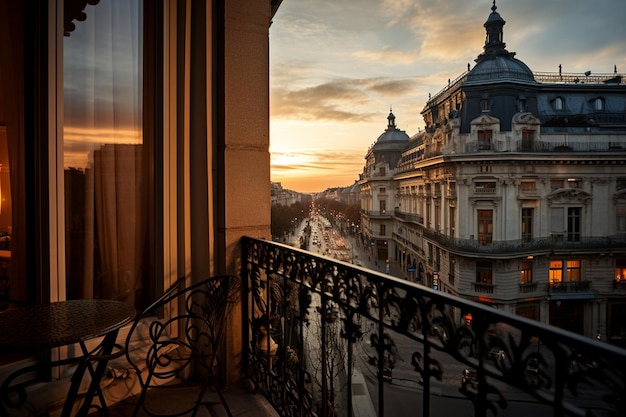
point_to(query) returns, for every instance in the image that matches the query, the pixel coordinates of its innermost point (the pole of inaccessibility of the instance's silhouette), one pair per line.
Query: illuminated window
(526, 272)
(484, 272)
(556, 272)
(573, 271)
(620, 270)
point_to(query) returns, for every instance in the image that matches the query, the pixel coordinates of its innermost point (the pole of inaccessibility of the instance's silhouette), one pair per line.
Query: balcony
(569, 287)
(523, 246)
(409, 217)
(347, 341)
(528, 288)
(483, 288)
(326, 338)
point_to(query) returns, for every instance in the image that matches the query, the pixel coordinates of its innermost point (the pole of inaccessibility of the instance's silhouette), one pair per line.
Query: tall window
(106, 156)
(526, 272)
(620, 269)
(484, 272)
(485, 226)
(383, 206)
(383, 230)
(528, 139)
(556, 221)
(573, 270)
(485, 105)
(527, 224)
(621, 218)
(484, 139)
(573, 224)
(556, 272)
(452, 220)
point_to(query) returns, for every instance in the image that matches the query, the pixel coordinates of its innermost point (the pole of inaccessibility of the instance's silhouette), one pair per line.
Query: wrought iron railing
(519, 246)
(321, 333)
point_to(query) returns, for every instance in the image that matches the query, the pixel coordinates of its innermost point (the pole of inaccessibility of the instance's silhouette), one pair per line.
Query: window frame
(160, 31)
(484, 272)
(526, 272)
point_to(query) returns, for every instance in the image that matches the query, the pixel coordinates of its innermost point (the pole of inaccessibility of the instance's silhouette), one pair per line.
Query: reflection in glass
(103, 152)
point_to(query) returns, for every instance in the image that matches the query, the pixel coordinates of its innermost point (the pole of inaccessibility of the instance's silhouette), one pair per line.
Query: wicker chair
(183, 329)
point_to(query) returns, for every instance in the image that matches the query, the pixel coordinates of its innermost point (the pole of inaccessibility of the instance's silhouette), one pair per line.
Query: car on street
(387, 374)
(497, 354)
(532, 366)
(469, 377)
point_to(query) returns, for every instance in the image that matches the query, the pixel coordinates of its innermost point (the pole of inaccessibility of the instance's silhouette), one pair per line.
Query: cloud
(339, 99)
(388, 56)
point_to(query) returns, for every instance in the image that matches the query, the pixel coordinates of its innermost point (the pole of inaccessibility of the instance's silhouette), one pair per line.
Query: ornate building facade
(514, 195)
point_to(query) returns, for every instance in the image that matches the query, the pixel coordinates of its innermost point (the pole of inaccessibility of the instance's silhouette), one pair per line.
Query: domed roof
(392, 138)
(496, 63)
(499, 68)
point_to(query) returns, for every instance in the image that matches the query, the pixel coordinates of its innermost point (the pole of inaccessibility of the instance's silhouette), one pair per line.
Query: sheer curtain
(103, 145)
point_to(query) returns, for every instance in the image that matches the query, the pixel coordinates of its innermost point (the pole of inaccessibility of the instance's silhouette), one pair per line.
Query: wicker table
(63, 323)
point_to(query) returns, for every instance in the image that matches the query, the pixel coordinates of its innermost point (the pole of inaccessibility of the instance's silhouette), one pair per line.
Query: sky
(337, 67)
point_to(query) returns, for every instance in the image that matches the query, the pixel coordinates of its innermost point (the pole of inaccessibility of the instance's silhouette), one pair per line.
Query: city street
(402, 394)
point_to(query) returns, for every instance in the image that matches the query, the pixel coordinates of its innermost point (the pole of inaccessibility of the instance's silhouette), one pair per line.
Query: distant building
(346, 195)
(514, 195)
(284, 196)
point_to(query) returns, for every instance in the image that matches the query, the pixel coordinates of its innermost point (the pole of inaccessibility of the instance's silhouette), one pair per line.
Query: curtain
(12, 116)
(105, 192)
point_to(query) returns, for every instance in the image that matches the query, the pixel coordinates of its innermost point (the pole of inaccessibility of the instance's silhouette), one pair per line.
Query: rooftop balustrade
(328, 338)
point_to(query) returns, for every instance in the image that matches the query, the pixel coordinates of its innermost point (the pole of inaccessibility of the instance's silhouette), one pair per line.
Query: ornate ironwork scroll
(314, 324)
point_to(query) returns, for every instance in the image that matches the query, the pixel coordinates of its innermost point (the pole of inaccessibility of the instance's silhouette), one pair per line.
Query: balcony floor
(241, 399)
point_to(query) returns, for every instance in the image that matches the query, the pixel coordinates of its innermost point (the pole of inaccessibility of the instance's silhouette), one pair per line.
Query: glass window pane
(103, 153)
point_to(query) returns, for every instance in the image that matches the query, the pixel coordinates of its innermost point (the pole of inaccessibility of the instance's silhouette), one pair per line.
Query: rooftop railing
(328, 338)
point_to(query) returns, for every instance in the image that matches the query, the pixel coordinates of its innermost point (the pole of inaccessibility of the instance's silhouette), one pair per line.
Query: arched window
(558, 103)
(598, 104)
(485, 105)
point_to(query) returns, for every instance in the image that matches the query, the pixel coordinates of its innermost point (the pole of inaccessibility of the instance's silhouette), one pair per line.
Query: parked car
(387, 374)
(497, 354)
(469, 377)
(532, 366)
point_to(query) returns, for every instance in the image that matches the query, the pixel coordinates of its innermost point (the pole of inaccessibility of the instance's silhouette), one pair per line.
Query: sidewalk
(361, 402)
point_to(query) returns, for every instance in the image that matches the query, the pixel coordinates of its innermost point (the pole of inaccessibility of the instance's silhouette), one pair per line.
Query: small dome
(392, 137)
